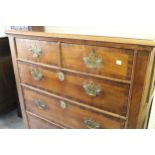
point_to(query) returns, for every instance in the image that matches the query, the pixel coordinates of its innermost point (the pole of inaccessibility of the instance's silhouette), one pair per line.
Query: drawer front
(38, 51)
(111, 62)
(104, 94)
(37, 123)
(67, 114)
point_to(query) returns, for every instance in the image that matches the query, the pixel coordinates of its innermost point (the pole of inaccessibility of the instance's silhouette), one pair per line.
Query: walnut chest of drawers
(76, 81)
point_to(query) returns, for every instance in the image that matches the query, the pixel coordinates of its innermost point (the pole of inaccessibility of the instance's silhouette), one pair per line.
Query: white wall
(128, 32)
(2, 30)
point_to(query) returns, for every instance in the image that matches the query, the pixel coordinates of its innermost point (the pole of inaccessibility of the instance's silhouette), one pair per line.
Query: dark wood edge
(131, 85)
(138, 89)
(17, 77)
(59, 56)
(151, 75)
(145, 101)
(73, 102)
(151, 86)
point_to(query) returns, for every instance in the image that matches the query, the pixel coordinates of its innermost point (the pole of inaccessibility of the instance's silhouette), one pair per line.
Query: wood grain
(74, 71)
(85, 37)
(73, 54)
(49, 51)
(17, 77)
(37, 123)
(126, 90)
(72, 116)
(113, 97)
(138, 88)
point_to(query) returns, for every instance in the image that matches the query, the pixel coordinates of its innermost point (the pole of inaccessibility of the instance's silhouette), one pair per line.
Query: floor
(11, 121)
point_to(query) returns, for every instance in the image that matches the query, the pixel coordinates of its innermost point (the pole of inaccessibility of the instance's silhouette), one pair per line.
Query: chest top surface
(130, 41)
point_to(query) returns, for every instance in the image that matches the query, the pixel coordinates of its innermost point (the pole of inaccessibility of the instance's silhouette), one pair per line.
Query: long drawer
(68, 114)
(104, 94)
(104, 61)
(38, 51)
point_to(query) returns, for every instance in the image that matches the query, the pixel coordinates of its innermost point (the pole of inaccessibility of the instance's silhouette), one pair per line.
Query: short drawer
(37, 123)
(37, 51)
(104, 61)
(100, 93)
(68, 114)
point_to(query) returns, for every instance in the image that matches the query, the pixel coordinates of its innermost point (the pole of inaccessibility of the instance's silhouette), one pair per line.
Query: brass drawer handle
(92, 60)
(91, 124)
(61, 76)
(91, 89)
(36, 74)
(63, 104)
(40, 104)
(35, 51)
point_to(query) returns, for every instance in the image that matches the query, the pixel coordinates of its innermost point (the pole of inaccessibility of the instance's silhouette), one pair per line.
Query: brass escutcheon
(91, 89)
(36, 74)
(61, 76)
(91, 124)
(39, 104)
(35, 51)
(92, 60)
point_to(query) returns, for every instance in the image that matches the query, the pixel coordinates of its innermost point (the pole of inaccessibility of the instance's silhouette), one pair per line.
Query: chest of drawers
(75, 81)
